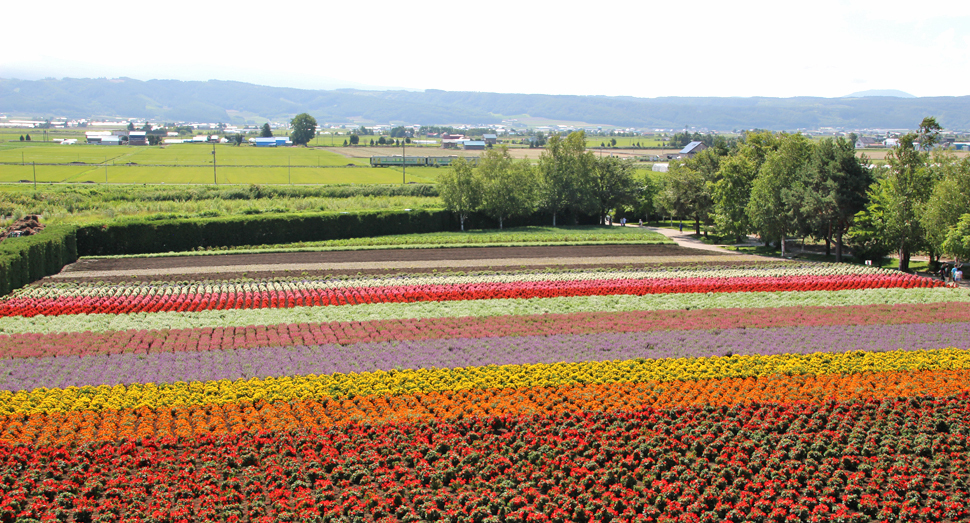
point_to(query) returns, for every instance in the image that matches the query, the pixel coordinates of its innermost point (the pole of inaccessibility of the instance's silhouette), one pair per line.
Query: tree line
(568, 181)
(781, 186)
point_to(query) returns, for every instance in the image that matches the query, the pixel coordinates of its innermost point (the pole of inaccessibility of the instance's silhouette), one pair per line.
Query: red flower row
(895, 460)
(473, 291)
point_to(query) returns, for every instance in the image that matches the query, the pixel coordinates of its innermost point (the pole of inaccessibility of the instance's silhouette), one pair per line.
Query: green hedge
(145, 236)
(174, 235)
(30, 258)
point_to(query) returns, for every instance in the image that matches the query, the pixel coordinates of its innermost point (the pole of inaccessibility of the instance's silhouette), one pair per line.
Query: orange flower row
(69, 428)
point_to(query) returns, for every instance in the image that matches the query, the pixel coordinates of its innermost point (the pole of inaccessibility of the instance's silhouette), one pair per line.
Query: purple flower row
(60, 372)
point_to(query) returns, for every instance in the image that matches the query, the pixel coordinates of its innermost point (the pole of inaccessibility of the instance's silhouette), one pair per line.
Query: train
(417, 161)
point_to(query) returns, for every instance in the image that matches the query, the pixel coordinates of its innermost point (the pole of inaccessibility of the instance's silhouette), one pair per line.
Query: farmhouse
(451, 141)
(692, 149)
(490, 139)
(110, 140)
(137, 138)
(474, 145)
(689, 151)
(864, 141)
(272, 141)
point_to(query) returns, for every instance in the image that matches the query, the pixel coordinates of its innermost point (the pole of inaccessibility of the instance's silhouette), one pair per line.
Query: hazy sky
(635, 48)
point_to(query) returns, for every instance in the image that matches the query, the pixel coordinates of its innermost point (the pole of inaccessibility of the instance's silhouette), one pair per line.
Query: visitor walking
(682, 226)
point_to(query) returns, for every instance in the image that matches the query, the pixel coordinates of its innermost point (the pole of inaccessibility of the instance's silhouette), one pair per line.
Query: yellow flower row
(489, 377)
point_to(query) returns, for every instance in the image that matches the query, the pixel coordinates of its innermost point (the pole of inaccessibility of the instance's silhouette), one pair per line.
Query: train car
(417, 161)
(398, 160)
(445, 161)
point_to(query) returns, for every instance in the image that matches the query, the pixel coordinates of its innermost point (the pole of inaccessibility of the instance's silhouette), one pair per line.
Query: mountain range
(239, 103)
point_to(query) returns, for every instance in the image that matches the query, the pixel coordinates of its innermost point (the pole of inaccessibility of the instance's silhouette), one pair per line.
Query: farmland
(625, 381)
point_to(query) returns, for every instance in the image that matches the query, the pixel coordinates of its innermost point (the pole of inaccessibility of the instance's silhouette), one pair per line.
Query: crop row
(891, 460)
(130, 289)
(77, 427)
(477, 308)
(164, 340)
(314, 297)
(212, 365)
(289, 388)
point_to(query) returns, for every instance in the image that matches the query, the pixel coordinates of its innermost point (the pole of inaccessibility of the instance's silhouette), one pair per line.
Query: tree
(131, 126)
(903, 193)
(265, 131)
(614, 185)
(508, 187)
(21, 138)
(612, 142)
(732, 190)
(957, 241)
(354, 139)
(928, 133)
(773, 208)
(565, 171)
(380, 141)
(154, 139)
(28, 137)
(345, 143)
(461, 189)
(835, 188)
(686, 188)
(304, 129)
(949, 200)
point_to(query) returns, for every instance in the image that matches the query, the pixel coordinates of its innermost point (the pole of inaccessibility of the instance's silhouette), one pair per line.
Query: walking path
(686, 239)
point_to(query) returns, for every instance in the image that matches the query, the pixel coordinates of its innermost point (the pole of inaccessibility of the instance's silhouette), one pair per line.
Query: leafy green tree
(900, 198)
(28, 137)
(731, 190)
(508, 188)
(928, 134)
(957, 241)
(354, 139)
(131, 126)
(304, 129)
(773, 208)
(644, 200)
(612, 142)
(686, 191)
(614, 185)
(565, 175)
(345, 143)
(949, 200)
(380, 141)
(265, 131)
(461, 189)
(835, 184)
(21, 138)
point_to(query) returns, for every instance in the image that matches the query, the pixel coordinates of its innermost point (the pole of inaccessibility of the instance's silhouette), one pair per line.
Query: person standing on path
(681, 225)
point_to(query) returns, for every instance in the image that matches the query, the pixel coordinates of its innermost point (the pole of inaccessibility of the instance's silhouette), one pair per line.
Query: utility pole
(34, 165)
(404, 162)
(215, 179)
(289, 179)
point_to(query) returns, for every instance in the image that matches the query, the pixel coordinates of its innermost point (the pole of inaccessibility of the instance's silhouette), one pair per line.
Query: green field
(534, 235)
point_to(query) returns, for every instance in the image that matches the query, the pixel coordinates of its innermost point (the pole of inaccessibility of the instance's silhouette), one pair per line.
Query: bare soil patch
(317, 274)
(386, 262)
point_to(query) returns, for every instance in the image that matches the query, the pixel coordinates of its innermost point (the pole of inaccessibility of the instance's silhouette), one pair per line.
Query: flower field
(769, 392)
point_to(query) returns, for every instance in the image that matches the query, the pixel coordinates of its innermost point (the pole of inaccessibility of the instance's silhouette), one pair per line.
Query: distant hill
(235, 102)
(881, 92)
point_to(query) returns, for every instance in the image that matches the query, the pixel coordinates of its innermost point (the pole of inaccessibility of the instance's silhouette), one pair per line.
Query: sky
(825, 48)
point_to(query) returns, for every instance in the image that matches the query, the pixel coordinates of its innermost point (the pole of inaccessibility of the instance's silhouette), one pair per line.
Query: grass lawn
(535, 235)
(204, 175)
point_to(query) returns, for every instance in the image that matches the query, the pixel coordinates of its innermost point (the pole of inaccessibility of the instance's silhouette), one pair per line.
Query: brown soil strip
(375, 261)
(84, 277)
